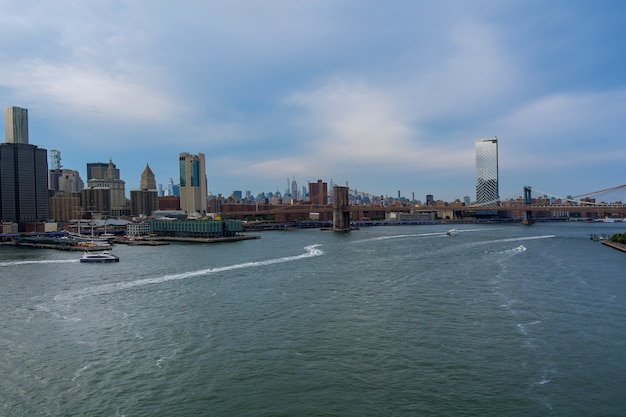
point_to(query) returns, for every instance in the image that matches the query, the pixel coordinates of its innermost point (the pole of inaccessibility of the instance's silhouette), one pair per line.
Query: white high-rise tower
(487, 190)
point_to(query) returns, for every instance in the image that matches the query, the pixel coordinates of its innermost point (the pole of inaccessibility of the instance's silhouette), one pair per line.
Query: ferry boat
(99, 257)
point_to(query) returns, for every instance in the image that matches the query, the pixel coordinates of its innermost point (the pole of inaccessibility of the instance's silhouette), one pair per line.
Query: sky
(383, 96)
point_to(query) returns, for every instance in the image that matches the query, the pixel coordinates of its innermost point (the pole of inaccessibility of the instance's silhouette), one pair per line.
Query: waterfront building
(487, 171)
(15, 125)
(23, 174)
(205, 229)
(193, 183)
(137, 229)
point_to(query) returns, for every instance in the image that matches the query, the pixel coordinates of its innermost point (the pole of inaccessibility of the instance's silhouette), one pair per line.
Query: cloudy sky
(382, 95)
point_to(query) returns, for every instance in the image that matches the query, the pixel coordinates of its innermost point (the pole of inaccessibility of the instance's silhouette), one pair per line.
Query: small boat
(452, 232)
(99, 257)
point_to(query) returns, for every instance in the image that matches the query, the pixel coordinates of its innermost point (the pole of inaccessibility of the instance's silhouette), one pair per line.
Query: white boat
(99, 257)
(452, 232)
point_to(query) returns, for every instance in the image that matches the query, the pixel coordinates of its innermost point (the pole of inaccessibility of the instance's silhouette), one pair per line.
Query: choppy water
(499, 320)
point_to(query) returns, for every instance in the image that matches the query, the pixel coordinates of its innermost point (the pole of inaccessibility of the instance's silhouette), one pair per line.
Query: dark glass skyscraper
(487, 190)
(23, 183)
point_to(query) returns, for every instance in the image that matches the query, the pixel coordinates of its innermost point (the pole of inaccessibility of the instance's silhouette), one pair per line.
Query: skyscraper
(193, 183)
(144, 200)
(107, 178)
(102, 170)
(147, 182)
(15, 125)
(487, 190)
(23, 174)
(318, 193)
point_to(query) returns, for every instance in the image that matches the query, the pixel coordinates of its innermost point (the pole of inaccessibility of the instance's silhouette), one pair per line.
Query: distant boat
(99, 257)
(452, 232)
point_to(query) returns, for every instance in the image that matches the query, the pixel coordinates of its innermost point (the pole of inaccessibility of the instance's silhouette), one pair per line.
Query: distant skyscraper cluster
(487, 190)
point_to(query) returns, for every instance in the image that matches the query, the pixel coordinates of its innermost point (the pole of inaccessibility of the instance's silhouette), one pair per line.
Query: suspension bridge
(613, 196)
(527, 204)
(602, 203)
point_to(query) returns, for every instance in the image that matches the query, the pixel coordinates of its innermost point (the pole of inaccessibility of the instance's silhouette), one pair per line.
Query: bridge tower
(341, 212)
(528, 200)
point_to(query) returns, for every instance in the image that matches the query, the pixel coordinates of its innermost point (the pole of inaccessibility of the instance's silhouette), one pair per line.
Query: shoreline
(158, 241)
(615, 245)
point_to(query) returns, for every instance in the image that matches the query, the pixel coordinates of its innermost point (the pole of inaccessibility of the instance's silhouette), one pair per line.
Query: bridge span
(534, 205)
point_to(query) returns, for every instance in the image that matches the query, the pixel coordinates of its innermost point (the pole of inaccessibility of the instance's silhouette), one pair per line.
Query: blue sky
(385, 96)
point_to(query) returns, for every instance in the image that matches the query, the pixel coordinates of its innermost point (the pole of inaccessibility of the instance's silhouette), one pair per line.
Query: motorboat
(452, 232)
(99, 257)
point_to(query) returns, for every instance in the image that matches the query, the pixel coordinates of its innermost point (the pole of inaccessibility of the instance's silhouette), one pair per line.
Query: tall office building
(23, 174)
(102, 170)
(487, 190)
(144, 200)
(15, 125)
(148, 181)
(107, 178)
(62, 180)
(318, 193)
(193, 183)
(65, 181)
(55, 159)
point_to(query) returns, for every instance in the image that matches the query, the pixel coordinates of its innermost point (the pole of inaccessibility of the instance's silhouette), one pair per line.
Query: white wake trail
(52, 261)
(311, 251)
(517, 239)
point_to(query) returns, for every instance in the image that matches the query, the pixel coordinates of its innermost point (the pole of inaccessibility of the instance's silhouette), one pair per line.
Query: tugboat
(99, 257)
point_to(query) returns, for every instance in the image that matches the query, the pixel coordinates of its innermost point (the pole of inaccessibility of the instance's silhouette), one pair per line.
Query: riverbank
(208, 240)
(156, 241)
(58, 246)
(619, 246)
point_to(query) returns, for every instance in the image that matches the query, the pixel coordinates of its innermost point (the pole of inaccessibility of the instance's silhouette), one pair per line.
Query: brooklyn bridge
(527, 205)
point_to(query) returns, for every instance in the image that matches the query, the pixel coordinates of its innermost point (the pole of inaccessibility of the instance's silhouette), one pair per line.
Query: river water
(499, 320)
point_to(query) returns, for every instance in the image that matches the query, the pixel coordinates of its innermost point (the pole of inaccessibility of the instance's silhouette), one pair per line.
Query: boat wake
(400, 237)
(311, 251)
(512, 239)
(518, 239)
(520, 248)
(50, 261)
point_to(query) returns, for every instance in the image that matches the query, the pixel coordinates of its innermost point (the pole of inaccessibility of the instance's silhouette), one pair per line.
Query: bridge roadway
(360, 211)
(596, 210)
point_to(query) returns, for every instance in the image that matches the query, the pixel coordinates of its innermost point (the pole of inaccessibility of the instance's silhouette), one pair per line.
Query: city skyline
(384, 98)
